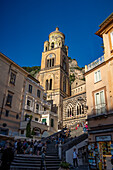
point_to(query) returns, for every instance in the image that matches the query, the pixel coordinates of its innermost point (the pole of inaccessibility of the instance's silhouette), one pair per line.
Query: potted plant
(64, 166)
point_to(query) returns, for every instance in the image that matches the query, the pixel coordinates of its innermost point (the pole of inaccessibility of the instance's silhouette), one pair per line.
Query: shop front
(99, 152)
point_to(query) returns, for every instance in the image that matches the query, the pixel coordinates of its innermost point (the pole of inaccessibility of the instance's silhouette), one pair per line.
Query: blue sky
(26, 24)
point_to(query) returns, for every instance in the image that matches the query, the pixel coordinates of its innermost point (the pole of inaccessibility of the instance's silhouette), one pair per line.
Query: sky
(26, 24)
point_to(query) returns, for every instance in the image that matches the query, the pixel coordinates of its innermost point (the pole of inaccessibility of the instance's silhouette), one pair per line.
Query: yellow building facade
(54, 73)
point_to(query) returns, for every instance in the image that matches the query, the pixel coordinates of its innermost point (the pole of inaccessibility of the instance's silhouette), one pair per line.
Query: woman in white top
(75, 158)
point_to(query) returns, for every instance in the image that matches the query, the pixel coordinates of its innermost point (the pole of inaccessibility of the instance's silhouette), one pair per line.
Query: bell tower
(54, 73)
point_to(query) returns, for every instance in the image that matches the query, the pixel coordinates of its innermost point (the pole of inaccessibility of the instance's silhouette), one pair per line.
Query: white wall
(69, 153)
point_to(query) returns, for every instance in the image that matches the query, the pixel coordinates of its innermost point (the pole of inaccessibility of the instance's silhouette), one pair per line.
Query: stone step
(32, 168)
(24, 157)
(36, 165)
(35, 162)
(52, 154)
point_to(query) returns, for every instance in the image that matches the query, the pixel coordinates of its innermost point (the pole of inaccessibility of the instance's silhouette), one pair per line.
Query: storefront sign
(103, 138)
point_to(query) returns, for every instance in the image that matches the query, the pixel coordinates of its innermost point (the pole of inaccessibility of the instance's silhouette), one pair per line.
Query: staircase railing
(72, 143)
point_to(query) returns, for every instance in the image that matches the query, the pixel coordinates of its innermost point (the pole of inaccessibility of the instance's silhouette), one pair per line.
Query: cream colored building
(99, 90)
(12, 83)
(54, 74)
(78, 86)
(35, 105)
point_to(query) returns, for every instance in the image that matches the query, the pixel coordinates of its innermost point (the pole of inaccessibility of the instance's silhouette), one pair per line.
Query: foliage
(32, 70)
(64, 165)
(72, 78)
(32, 133)
(83, 79)
(69, 58)
(78, 68)
(28, 127)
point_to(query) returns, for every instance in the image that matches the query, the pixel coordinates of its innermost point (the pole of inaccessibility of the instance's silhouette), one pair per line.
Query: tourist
(43, 164)
(19, 145)
(39, 148)
(7, 157)
(35, 146)
(25, 145)
(75, 158)
(31, 147)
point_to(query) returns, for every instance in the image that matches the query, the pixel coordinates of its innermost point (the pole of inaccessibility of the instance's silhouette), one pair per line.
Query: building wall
(12, 119)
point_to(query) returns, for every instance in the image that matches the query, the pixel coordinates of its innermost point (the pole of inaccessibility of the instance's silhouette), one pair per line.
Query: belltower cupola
(56, 39)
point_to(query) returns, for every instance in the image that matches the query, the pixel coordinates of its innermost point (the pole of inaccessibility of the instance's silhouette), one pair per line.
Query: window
(12, 78)
(49, 84)
(82, 109)
(38, 93)
(79, 109)
(22, 132)
(46, 48)
(100, 106)
(52, 122)
(97, 76)
(46, 84)
(52, 61)
(68, 112)
(37, 106)
(44, 121)
(17, 116)
(9, 100)
(112, 39)
(36, 119)
(50, 88)
(30, 88)
(72, 112)
(64, 84)
(7, 113)
(47, 63)
(52, 45)
(28, 102)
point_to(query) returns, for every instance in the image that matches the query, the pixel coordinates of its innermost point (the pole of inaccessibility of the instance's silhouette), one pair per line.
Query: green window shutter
(43, 120)
(52, 122)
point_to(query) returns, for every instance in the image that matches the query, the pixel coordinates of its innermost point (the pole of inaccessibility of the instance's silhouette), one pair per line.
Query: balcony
(94, 64)
(45, 103)
(44, 112)
(36, 111)
(28, 108)
(38, 124)
(98, 111)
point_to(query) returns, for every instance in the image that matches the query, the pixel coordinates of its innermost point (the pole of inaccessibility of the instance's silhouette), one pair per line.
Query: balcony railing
(28, 108)
(44, 102)
(95, 63)
(36, 110)
(44, 112)
(98, 110)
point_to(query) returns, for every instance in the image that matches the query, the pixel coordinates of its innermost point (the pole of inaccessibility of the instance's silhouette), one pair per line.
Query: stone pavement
(82, 167)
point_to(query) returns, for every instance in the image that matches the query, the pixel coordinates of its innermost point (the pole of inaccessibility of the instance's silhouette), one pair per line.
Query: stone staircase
(51, 149)
(33, 162)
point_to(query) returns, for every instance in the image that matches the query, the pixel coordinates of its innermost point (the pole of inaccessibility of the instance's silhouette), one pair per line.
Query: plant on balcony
(28, 127)
(64, 166)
